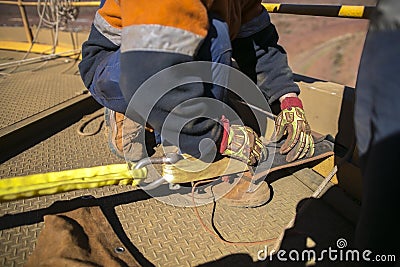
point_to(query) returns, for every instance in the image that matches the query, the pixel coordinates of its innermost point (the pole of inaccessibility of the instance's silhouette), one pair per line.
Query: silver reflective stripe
(152, 37)
(111, 33)
(255, 25)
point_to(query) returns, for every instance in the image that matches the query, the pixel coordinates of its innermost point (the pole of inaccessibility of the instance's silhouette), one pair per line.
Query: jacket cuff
(290, 102)
(225, 134)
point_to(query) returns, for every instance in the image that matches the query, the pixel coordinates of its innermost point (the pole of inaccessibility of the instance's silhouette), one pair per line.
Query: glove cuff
(290, 102)
(225, 134)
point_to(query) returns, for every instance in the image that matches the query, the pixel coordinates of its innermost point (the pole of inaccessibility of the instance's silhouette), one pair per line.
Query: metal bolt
(174, 186)
(119, 250)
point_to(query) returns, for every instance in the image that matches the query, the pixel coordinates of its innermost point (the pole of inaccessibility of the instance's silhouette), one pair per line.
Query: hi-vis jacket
(154, 35)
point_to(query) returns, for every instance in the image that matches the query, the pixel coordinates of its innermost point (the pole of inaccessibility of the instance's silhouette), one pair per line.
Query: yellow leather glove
(292, 121)
(242, 143)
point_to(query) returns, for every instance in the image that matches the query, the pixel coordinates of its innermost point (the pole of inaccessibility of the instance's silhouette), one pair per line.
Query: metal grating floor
(161, 235)
(28, 91)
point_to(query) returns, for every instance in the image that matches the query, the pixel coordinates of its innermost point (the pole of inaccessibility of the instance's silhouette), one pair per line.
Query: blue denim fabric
(105, 86)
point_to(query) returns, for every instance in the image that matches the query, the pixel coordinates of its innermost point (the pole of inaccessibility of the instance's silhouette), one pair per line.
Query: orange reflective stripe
(111, 12)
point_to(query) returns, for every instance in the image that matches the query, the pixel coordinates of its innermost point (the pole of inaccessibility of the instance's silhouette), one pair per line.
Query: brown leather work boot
(125, 136)
(243, 193)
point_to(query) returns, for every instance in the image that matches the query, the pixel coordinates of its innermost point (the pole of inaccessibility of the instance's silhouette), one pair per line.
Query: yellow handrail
(344, 11)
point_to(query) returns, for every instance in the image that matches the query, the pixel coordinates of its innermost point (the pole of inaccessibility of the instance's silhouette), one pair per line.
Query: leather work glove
(292, 121)
(242, 143)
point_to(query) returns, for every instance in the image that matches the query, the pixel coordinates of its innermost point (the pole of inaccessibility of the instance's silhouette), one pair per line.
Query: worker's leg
(105, 86)
(194, 120)
(124, 135)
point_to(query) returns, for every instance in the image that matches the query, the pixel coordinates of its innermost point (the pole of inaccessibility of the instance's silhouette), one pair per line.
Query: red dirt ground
(320, 47)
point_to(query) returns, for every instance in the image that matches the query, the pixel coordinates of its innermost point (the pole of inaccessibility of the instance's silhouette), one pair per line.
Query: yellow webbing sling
(56, 182)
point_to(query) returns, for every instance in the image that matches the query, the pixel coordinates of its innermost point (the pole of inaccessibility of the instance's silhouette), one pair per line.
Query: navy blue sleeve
(261, 58)
(94, 50)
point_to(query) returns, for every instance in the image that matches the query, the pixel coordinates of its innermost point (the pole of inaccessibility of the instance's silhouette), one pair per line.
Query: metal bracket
(169, 158)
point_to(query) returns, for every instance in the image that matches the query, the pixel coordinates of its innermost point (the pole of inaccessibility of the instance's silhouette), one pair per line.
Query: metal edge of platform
(18, 137)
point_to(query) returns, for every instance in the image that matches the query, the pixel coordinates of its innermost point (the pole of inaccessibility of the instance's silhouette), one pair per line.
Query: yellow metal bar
(351, 11)
(36, 48)
(63, 181)
(325, 167)
(345, 11)
(87, 3)
(272, 7)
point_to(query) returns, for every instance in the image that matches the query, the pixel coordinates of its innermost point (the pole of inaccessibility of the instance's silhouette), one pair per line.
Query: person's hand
(242, 143)
(292, 121)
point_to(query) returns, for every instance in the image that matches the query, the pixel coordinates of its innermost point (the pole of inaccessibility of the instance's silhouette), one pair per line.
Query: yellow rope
(63, 181)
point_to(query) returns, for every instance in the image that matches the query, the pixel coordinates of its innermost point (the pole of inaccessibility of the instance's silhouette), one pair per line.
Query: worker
(377, 112)
(130, 41)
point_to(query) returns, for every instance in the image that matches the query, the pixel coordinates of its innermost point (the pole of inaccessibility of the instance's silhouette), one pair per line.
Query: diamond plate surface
(164, 235)
(171, 236)
(65, 150)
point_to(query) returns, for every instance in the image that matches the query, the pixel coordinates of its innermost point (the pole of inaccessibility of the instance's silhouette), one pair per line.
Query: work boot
(125, 136)
(243, 193)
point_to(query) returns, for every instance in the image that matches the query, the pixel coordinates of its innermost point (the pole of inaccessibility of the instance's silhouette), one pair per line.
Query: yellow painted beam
(345, 11)
(325, 167)
(272, 7)
(36, 48)
(351, 11)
